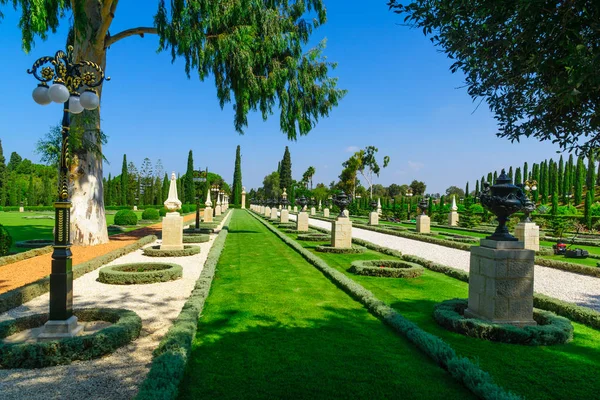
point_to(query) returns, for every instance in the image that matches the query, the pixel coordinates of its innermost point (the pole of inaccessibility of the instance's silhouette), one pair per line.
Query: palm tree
(308, 175)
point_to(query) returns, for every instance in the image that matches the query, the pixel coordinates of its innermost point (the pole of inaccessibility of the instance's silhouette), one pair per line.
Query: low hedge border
(34, 244)
(327, 248)
(194, 231)
(567, 266)
(140, 273)
(460, 368)
(126, 327)
(17, 297)
(551, 328)
(155, 251)
(171, 355)
(196, 238)
(386, 268)
(297, 232)
(580, 242)
(24, 255)
(314, 237)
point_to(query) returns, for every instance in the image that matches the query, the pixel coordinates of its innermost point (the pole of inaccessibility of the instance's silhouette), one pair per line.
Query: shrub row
(551, 329)
(126, 327)
(386, 268)
(314, 237)
(17, 297)
(462, 369)
(170, 358)
(139, 273)
(155, 251)
(568, 266)
(24, 255)
(34, 243)
(197, 238)
(6, 241)
(577, 241)
(327, 248)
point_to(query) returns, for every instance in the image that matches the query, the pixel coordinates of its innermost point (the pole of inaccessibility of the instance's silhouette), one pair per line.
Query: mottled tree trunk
(88, 220)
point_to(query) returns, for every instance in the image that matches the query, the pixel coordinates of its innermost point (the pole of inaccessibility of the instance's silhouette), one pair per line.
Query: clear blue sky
(402, 99)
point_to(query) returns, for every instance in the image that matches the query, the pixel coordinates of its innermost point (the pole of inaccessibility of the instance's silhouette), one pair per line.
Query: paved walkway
(580, 289)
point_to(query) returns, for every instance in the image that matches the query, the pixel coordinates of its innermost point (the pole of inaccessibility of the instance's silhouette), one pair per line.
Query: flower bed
(386, 268)
(139, 273)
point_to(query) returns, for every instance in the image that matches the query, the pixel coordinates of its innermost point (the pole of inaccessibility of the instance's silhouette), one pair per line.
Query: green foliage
(3, 177)
(124, 182)
(155, 251)
(126, 327)
(125, 217)
(551, 329)
(314, 237)
(25, 255)
(326, 248)
(139, 273)
(5, 241)
(236, 190)
(570, 210)
(196, 238)
(560, 225)
(418, 188)
(285, 175)
(386, 268)
(185, 209)
(151, 214)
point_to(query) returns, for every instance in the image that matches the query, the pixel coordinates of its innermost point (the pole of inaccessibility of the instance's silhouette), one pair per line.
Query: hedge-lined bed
(139, 273)
(196, 238)
(314, 237)
(386, 268)
(155, 251)
(328, 248)
(126, 326)
(24, 255)
(17, 297)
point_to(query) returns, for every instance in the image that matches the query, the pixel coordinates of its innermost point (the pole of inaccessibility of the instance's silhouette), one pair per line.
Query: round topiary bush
(314, 237)
(386, 268)
(5, 241)
(126, 327)
(196, 238)
(162, 212)
(551, 329)
(151, 214)
(138, 273)
(185, 209)
(327, 248)
(125, 217)
(155, 251)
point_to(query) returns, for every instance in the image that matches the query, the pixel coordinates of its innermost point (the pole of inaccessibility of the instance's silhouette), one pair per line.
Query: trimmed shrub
(567, 266)
(126, 327)
(196, 238)
(551, 328)
(24, 255)
(155, 251)
(314, 237)
(5, 241)
(185, 209)
(386, 268)
(125, 217)
(34, 243)
(138, 273)
(162, 212)
(327, 248)
(583, 315)
(151, 214)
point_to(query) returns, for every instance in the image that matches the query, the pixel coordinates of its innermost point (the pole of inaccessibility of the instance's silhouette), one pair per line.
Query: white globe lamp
(75, 106)
(40, 94)
(89, 100)
(58, 93)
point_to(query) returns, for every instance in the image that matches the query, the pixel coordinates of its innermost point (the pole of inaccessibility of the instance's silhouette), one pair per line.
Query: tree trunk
(88, 220)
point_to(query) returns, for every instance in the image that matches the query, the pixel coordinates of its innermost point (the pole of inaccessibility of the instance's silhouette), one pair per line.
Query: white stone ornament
(208, 202)
(454, 207)
(172, 203)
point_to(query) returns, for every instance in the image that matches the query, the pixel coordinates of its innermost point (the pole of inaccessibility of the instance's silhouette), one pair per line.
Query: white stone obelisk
(208, 211)
(379, 207)
(453, 216)
(172, 224)
(243, 197)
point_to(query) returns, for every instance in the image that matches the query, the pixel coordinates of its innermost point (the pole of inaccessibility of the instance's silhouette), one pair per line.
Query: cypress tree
(3, 177)
(490, 179)
(561, 175)
(525, 171)
(124, 182)
(108, 191)
(442, 202)
(31, 197)
(476, 188)
(165, 187)
(587, 213)
(566, 184)
(510, 174)
(236, 189)
(572, 169)
(430, 206)
(188, 187)
(554, 174)
(518, 178)
(467, 189)
(495, 177)
(285, 176)
(579, 177)
(590, 182)
(541, 182)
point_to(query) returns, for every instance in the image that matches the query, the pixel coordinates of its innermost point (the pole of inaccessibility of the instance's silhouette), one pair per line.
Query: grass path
(275, 327)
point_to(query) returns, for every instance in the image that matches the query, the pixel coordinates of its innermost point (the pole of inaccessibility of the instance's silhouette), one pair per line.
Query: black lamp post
(409, 194)
(73, 85)
(199, 178)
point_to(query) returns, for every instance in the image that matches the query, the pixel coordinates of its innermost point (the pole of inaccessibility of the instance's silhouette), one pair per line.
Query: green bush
(126, 327)
(185, 209)
(337, 250)
(196, 238)
(139, 273)
(24, 255)
(125, 217)
(155, 251)
(314, 237)
(386, 268)
(5, 241)
(151, 214)
(551, 329)
(162, 212)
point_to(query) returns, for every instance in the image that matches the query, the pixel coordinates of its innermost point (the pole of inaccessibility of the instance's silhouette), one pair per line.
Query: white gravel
(580, 289)
(117, 375)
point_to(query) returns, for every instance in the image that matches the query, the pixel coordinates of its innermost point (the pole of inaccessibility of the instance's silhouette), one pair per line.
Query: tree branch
(129, 32)
(108, 14)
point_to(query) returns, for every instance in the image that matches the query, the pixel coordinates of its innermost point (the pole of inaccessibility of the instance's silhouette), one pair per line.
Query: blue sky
(402, 99)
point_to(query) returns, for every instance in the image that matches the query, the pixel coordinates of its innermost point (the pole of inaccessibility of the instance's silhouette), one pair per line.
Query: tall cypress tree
(579, 177)
(476, 188)
(525, 171)
(561, 175)
(566, 184)
(518, 178)
(590, 181)
(542, 182)
(467, 189)
(535, 175)
(285, 176)
(124, 182)
(554, 175)
(495, 177)
(108, 187)
(236, 190)
(587, 212)
(165, 187)
(188, 187)
(490, 178)
(3, 177)
(572, 168)
(31, 196)
(510, 174)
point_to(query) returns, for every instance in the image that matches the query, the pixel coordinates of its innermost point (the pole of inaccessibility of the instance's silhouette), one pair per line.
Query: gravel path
(118, 375)
(580, 289)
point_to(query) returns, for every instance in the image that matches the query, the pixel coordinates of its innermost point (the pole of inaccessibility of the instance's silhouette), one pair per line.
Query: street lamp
(529, 186)
(215, 190)
(69, 79)
(409, 194)
(198, 177)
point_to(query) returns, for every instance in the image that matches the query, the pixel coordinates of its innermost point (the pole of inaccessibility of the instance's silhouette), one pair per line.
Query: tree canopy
(534, 62)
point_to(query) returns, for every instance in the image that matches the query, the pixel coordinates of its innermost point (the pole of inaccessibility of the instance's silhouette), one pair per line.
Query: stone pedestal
(501, 283)
(135, 208)
(267, 211)
(243, 199)
(373, 218)
(529, 234)
(172, 232)
(326, 213)
(261, 210)
(302, 221)
(218, 210)
(273, 216)
(56, 330)
(208, 214)
(284, 216)
(21, 209)
(341, 233)
(453, 218)
(295, 209)
(423, 224)
(313, 211)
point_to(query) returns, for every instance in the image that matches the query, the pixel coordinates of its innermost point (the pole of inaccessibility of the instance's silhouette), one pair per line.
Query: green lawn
(275, 327)
(567, 371)
(22, 226)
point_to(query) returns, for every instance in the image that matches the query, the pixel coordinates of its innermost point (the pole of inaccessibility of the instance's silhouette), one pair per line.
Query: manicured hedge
(125, 217)
(314, 237)
(196, 238)
(461, 368)
(386, 268)
(151, 214)
(567, 266)
(24, 255)
(155, 251)
(170, 358)
(17, 297)
(139, 273)
(126, 327)
(5, 241)
(35, 243)
(327, 248)
(551, 328)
